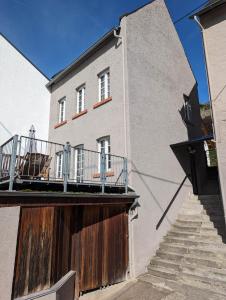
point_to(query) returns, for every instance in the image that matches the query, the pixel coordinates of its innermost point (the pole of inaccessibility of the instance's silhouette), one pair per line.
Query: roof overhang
(208, 8)
(89, 52)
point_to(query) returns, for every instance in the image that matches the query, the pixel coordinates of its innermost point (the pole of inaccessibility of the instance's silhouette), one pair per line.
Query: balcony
(26, 161)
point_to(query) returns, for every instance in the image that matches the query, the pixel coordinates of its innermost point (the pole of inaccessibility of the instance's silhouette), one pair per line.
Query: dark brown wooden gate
(103, 246)
(92, 240)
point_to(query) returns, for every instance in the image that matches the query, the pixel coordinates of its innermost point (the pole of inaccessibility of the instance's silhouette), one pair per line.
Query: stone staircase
(191, 260)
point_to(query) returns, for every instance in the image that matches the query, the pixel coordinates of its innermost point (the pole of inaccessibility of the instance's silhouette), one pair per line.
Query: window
(59, 165)
(104, 85)
(104, 147)
(62, 103)
(80, 99)
(187, 109)
(79, 163)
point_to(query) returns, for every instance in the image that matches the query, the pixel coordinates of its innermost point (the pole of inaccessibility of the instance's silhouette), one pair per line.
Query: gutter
(95, 47)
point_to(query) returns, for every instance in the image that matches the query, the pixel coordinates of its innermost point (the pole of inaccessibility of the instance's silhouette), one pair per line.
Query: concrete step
(194, 278)
(192, 259)
(196, 229)
(210, 211)
(198, 242)
(163, 272)
(184, 266)
(208, 236)
(199, 218)
(220, 223)
(208, 251)
(191, 291)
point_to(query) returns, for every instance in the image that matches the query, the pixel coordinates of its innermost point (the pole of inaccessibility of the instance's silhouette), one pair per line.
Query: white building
(24, 98)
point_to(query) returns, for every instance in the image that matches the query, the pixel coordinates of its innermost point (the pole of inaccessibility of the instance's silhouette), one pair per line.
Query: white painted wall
(24, 99)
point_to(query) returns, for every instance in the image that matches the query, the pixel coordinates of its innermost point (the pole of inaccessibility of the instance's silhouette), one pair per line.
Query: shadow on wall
(190, 114)
(164, 210)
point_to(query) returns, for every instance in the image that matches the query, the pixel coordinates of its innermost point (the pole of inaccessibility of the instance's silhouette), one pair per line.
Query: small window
(104, 146)
(59, 165)
(187, 109)
(104, 85)
(62, 104)
(79, 163)
(80, 99)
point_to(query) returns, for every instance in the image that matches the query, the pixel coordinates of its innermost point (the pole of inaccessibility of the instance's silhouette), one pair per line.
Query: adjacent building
(133, 94)
(212, 22)
(24, 98)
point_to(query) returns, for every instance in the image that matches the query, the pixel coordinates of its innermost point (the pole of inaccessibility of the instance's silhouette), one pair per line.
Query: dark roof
(209, 6)
(95, 47)
(83, 57)
(1, 34)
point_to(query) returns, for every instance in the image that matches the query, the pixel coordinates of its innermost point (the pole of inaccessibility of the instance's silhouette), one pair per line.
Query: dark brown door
(103, 246)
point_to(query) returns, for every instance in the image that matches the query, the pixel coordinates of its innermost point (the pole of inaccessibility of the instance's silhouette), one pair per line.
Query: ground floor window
(104, 146)
(79, 163)
(59, 165)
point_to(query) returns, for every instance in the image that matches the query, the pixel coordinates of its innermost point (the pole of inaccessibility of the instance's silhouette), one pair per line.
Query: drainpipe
(196, 18)
(124, 90)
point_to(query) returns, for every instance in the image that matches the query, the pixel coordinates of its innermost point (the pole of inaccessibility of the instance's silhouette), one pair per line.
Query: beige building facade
(212, 21)
(131, 90)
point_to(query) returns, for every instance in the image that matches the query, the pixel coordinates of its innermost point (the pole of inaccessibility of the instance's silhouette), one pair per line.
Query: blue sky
(52, 33)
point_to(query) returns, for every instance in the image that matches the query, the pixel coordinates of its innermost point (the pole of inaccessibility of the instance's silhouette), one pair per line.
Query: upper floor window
(104, 146)
(104, 85)
(80, 99)
(62, 104)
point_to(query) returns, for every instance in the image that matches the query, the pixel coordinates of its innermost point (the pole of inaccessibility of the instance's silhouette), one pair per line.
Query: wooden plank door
(91, 246)
(115, 245)
(33, 260)
(103, 244)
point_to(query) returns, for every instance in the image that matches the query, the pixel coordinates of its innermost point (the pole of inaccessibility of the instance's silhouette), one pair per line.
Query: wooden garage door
(43, 250)
(103, 246)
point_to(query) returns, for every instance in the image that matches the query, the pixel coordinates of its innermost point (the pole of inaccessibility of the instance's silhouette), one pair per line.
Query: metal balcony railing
(38, 160)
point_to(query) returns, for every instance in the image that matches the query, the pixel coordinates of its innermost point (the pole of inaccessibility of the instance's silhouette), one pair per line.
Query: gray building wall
(214, 29)
(149, 77)
(9, 222)
(158, 77)
(102, 121)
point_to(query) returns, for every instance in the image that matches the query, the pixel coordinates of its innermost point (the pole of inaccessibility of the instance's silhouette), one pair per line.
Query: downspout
(196, 18)
(124, 92)
(130, 271)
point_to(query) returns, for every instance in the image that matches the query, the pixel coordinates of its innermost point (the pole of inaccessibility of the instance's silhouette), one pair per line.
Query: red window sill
(108, 174)
(60, 124)
(102, 102)
(80, 114)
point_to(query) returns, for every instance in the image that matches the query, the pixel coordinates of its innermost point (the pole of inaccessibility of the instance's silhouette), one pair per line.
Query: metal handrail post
(13, 162)
(102, 171)
(66, 165)
(125, 174)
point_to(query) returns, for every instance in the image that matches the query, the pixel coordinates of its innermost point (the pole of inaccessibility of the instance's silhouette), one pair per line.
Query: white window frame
(104, 91)
(59, 165)
(62, 106)
(80, 92)
(79, 172)
(107, 150)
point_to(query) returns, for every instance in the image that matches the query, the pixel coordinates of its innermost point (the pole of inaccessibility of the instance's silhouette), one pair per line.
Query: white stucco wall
(24, 98)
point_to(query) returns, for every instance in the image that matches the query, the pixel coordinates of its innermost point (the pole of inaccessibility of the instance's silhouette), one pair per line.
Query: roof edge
(208, 8)
(92, 49)
(24, 56)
